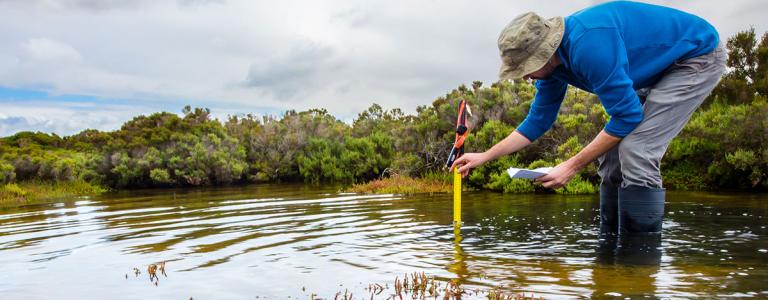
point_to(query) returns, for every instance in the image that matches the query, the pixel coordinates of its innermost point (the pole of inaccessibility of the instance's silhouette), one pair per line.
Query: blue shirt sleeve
(544, 109)
(600, 57)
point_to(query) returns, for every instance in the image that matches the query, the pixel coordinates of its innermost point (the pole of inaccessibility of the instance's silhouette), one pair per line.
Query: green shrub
(578, 185)
(160, 176)
(7, 173)
(12, 190)
(685, 176)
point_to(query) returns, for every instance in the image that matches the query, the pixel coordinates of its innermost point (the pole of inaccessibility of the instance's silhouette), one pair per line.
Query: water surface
(290, 241)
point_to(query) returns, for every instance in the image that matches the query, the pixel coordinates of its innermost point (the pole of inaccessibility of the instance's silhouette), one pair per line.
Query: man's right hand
(469, 161)
(512, 143)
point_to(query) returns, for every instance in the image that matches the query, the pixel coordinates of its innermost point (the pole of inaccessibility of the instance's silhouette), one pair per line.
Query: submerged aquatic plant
(152, 271)
(419, 286)
(347, 296)
(498, 294)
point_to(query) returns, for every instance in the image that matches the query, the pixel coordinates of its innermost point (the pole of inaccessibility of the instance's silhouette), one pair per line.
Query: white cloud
(47, 51)
(248, 56)
(63, 118)
(289, 76)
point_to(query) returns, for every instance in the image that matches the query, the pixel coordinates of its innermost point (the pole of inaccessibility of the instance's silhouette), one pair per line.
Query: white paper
(528, 174)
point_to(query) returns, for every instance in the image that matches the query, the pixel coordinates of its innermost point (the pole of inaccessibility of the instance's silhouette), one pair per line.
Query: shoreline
(31, 192)
(399, 184)
(38, 191)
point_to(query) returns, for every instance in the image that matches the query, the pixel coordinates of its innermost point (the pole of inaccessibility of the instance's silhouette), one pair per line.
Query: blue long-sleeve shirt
(612, 50)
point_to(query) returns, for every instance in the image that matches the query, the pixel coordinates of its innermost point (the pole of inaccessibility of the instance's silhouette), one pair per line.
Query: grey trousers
(668, 106)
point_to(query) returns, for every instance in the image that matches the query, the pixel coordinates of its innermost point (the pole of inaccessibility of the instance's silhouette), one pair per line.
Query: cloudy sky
(70, 65)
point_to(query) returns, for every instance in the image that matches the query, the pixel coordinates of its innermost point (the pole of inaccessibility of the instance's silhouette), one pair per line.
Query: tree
(748, 69)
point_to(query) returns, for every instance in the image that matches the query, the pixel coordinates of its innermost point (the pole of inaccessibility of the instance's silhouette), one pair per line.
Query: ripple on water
(271, 241)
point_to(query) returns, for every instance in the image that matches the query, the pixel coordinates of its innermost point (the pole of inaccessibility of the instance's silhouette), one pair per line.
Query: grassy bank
(399, 184)
(34, 191)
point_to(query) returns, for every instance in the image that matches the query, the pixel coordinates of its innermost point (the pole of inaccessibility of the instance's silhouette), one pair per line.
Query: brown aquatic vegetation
(375, 289)
(152, 271)
(346, 296)
(498, 294)
(399, 184)
(419, 286)
(453, 291)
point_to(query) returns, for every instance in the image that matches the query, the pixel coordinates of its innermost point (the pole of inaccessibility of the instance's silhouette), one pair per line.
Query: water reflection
(640, 253)
(459, 264)
(630, 249)
(292, 240)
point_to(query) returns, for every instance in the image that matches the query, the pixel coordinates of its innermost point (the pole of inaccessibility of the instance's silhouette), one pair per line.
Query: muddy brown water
(291, 241)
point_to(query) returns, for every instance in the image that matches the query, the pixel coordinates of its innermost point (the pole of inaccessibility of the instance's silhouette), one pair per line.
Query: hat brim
(540, 56)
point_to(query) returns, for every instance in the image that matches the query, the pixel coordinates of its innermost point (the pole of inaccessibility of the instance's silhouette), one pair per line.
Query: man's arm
(563, 173)
(512, 143)
(544, 109)
(541, 115)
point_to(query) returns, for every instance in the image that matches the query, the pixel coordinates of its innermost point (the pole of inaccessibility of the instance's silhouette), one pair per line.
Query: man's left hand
(559, 176)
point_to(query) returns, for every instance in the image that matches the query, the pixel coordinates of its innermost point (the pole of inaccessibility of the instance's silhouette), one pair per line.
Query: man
(651, 67)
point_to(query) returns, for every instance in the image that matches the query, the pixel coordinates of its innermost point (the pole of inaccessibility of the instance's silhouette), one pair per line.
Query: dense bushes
(164, 149)
(354, 159)
(723, 146)
(28, 155)
(7, 173)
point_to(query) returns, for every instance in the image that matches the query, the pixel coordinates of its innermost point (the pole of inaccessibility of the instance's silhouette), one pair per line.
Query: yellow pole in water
(456, 197)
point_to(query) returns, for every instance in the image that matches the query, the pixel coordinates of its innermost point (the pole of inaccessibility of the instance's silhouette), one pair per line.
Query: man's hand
(469, 161)
(559, 176)
(562, 173)
(514, 142)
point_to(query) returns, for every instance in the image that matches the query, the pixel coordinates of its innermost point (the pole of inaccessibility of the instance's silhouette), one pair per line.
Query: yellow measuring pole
(456, 197)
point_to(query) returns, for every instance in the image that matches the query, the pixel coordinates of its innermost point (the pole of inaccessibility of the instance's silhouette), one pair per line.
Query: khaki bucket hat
(527, 43)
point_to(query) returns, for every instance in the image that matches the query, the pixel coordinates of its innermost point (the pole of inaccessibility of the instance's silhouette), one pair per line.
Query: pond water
(293, 241)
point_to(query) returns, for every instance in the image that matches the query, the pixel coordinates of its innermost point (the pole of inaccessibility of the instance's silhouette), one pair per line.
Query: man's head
(527, 44)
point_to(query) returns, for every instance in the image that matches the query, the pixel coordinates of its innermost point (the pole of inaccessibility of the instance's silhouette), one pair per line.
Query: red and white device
(462, 131)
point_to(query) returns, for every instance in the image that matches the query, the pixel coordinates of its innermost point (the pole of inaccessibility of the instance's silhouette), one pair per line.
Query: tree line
(722, 147)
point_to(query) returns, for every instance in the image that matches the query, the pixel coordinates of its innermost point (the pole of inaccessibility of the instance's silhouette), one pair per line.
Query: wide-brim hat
(527, 43)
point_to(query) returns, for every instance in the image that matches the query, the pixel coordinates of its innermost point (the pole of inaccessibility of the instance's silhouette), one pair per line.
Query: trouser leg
(667, 108)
